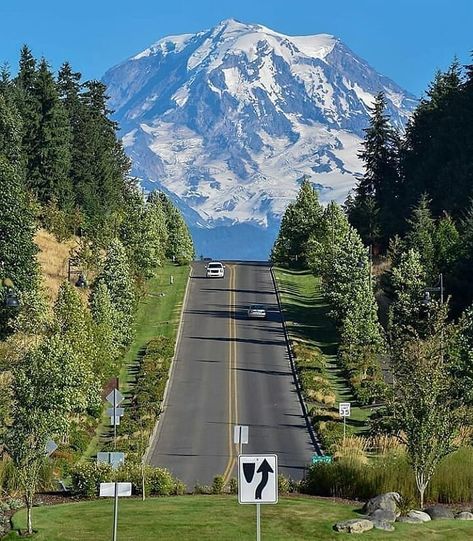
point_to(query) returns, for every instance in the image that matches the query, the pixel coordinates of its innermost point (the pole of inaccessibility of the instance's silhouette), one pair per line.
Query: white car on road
(215, 269)
(257, 311)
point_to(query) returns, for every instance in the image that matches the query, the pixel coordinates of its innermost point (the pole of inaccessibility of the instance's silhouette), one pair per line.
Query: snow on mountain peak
(231, 118)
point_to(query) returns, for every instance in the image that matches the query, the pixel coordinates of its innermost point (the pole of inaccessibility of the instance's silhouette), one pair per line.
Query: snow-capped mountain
(230, 119)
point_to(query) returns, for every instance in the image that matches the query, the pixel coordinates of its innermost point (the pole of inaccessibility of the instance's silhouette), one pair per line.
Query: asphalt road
(230, 370)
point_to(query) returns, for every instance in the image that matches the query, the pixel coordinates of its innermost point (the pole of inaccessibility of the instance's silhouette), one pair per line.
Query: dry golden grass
(352, 447)
(384, 444)
(53, 257)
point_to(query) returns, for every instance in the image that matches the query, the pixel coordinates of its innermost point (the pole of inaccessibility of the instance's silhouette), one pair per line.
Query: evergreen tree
(180, 246)
(324, 242)
(10, 134)
(350, 269)
(446, 244)
(117, 276)
(50, 161)
(300, 222)
(377, 192)
(420, 237)
(409, 285)
(100, 165)
(17, 229)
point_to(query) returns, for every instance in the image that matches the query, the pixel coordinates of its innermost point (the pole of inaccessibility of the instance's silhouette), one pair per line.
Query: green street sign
(317, 459)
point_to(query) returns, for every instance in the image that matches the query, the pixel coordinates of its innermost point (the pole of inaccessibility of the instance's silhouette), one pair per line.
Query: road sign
(115, 397)
(119, 412)
(115, 459)
(115, 421)
(258, 479)
(50, 447)
(344, 409)
(317, 459)
(107, 490)
(240, 434)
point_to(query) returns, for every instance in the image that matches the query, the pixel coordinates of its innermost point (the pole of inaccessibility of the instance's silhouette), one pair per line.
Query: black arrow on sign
(265, 469)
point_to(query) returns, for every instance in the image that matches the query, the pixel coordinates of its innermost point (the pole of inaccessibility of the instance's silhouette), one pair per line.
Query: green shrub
(233, 486)
(179, 488)
(202, 489)
(218, 484)
(87, 476)
(284, 485)
(331, 432)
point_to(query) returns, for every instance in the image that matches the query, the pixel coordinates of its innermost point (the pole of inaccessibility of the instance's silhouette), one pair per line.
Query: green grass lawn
(216, 518)
(306, 315)
(158, 314)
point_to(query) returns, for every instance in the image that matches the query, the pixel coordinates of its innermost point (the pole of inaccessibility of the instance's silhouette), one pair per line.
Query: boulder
(423, 516)
(386, 501)
(354, 525)
(464, 515)
(384, 515)
(383, 525)
(437, 512)
(410, 520)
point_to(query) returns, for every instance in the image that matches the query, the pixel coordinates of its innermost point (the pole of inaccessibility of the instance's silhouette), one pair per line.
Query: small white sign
(240, 434)
(107, 490)
(344, 409)
(258, 479)
(114, 421)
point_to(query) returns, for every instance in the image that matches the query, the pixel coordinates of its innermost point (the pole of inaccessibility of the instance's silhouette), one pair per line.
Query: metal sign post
(258, 482)
(240, 436)
(344, 410)
(115, 398)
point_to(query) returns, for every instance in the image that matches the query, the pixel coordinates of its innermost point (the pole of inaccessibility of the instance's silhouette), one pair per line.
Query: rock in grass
(383, 515)
(410, 520)
(383, 525)
(422, 515)
(386, 501)
(354, 525)
(464, 515)
(437, 512)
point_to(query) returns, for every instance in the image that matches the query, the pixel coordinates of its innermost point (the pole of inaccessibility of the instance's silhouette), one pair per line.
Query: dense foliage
(63, 168)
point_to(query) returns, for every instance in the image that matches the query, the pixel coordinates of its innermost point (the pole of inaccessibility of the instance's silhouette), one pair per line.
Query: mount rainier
(229, 120)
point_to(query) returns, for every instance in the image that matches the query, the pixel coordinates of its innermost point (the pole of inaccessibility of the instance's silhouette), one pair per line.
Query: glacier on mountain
(229, 120)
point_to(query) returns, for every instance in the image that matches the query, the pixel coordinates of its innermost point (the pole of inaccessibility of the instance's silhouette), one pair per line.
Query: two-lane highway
(230, 370)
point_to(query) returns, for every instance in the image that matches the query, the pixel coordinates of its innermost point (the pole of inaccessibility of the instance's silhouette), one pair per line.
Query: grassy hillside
(210, 518)
(306, 313)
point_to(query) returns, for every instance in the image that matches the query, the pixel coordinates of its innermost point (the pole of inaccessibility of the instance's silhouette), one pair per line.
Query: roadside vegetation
(72, 318)
(415, 370)
(314, 342)
(218, 517)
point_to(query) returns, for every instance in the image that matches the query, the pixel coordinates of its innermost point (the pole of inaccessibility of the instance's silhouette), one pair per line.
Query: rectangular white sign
(240, 434)
(108, 489)
(344, 409)
(258, 479)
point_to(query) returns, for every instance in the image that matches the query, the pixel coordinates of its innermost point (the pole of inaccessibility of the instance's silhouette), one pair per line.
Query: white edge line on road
(310, 428)
(153, 440)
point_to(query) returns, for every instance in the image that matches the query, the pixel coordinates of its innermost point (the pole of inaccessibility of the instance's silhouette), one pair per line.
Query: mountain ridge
(231, 118)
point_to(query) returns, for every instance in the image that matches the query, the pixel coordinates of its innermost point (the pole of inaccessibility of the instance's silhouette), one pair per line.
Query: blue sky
(407, 40)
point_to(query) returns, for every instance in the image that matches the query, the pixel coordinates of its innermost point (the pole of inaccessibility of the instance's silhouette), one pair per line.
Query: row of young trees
(63, 168)
(324, 241)
(431, 358)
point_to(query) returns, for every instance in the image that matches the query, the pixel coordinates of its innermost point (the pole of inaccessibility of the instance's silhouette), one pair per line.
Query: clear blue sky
(407, 40)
